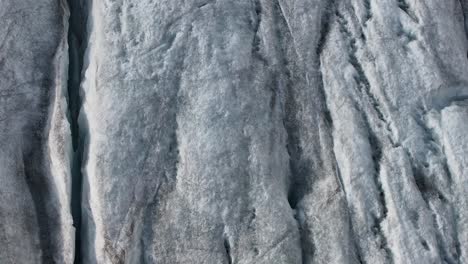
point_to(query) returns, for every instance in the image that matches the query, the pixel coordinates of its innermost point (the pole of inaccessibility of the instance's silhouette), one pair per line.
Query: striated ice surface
(221, 131)
(35, 221)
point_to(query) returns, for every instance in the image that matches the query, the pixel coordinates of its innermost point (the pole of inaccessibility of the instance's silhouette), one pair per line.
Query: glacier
(220, 131)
